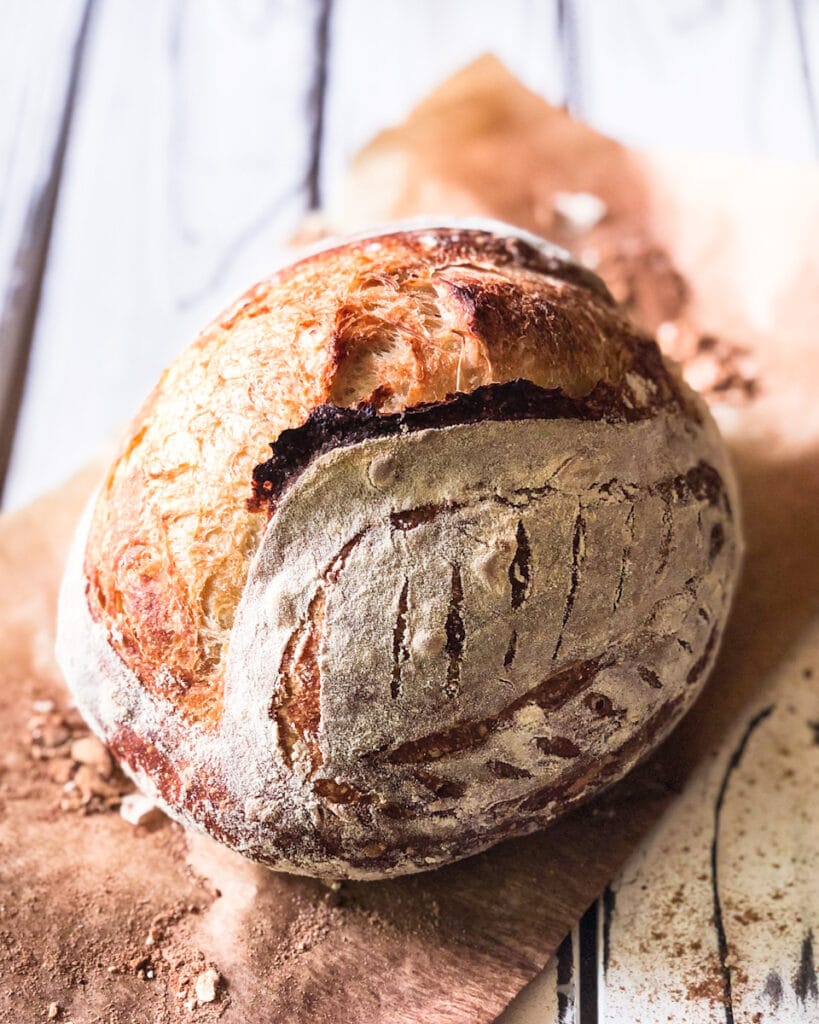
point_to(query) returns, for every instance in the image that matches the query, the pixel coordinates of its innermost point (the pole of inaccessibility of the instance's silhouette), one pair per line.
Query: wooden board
(395, 67)
(457, 944)
(725, 887)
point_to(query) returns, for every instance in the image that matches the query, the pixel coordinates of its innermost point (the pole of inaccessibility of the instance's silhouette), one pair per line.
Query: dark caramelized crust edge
(329, 426)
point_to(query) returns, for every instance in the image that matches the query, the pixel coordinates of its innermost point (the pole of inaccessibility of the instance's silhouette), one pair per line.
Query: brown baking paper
(118, 922)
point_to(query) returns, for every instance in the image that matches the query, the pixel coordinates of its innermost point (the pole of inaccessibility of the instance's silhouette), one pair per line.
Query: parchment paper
(118, 922)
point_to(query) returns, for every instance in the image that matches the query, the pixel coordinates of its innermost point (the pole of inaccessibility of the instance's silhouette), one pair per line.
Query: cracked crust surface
(483, 572)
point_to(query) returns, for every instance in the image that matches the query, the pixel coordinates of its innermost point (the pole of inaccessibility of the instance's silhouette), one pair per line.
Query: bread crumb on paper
(580, 211)
(90, 751)
(75, 759)
(207, 985)
(138, 809)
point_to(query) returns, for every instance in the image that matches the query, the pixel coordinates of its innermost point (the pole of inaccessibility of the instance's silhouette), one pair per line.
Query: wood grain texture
(725, 888)
(551, 997)
(186, 170)
(40, 55)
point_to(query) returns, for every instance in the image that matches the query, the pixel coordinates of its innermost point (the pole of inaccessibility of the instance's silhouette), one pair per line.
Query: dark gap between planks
(316, 103)
(19, 315)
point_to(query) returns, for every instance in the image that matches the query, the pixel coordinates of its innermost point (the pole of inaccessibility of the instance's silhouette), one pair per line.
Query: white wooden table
(155, 155)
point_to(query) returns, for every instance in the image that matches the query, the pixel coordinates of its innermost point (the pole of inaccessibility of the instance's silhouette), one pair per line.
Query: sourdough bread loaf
(417, 546)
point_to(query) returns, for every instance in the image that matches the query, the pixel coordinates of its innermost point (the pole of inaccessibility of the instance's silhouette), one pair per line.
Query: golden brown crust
(405, 319)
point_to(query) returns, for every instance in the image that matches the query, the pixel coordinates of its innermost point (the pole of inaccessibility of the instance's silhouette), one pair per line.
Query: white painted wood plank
(551, 997)
(768, 841)
(185, 174)
(36, 43)
(386, 57)
(716, 917)
(685, 74)
(537, 1003)
(37, 54)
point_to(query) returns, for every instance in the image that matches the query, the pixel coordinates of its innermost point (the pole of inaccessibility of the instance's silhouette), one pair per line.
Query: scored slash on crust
(329, 427)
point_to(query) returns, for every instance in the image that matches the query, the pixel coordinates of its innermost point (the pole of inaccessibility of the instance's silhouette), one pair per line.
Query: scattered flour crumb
(580, 210)
(137, 809)
(206, 985)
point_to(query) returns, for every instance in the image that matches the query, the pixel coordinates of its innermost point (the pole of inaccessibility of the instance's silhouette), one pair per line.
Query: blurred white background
(155, 155)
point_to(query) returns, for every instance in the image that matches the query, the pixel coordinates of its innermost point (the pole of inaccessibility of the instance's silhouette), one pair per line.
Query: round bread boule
(483, 573)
